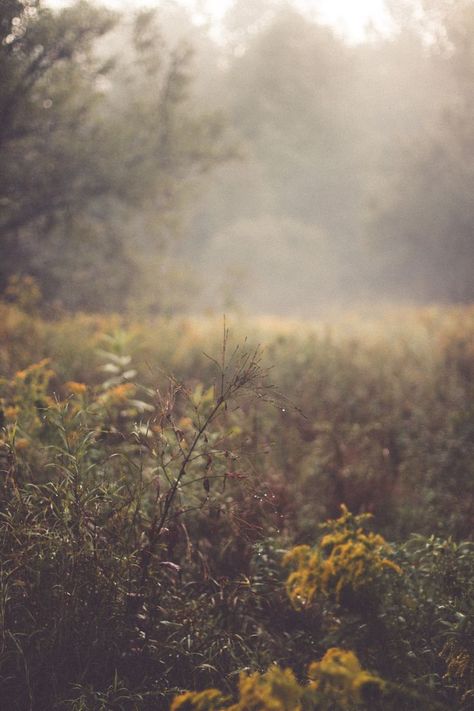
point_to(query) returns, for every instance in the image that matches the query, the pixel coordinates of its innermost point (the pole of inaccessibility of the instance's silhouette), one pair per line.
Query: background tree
(55, 156)
(354, 178)
(87, 150)
(425, 220)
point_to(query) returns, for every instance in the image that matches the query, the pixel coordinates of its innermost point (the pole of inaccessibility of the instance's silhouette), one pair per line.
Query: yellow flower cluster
(276, 690)
(22, 443)
(76, 388)
(207, 700)
(37, 371)
(339, 677)
(118, 394)
(11, 412)
(346, 559)
(336, 682)
(21, 399)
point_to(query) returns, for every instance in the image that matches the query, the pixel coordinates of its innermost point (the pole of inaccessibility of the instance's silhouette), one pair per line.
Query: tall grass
(152, 479)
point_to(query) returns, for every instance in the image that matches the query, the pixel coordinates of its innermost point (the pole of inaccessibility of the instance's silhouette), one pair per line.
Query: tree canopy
(354, 170)
(91, 141)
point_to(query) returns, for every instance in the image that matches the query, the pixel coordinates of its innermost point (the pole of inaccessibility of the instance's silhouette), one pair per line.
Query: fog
(279, 168)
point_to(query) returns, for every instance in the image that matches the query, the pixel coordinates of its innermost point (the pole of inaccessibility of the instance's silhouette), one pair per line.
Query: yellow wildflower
(302, 584)
(275, 690)
(33, 369)
(337, 682)
(76, 388)
(12, 412)
(346, 560)
(119, 393)
(339, 677)
(207, 700)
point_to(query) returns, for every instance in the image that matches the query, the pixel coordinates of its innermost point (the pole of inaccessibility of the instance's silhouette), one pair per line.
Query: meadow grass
(155, 474)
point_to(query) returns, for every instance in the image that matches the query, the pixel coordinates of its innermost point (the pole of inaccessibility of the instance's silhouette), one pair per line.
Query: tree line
(148, 162)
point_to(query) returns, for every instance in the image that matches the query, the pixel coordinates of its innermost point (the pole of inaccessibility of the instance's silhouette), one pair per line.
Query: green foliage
(92, 152)
(53, 149)
(145, 518)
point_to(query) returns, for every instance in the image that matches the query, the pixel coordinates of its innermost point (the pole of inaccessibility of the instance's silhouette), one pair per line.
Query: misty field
(270, 510)
(183, 512)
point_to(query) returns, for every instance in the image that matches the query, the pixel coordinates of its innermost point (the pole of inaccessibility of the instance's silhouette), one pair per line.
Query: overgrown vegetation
(190, 520)
(161, 513)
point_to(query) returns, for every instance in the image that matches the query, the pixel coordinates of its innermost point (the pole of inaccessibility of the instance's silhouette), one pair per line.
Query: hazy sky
(351, 17)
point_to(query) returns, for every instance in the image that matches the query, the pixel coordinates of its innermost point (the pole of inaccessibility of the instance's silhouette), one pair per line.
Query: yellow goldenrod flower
(346, 560)
(337, 682)
(11, 413)
(119, 393)
(76, 388)
(207, 700)
(275, 690)
(339, 677)
(33, 369)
